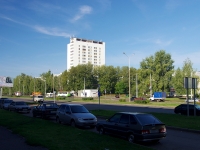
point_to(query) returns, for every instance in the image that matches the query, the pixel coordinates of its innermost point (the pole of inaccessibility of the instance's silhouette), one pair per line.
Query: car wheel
(73, 124)
(58, 120)
(33, 115)
(101, 130)
(131, 138)
(155, 141)
(43, 116)
(92, 127)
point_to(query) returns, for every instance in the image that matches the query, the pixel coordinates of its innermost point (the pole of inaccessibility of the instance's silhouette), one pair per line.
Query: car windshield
(198, 106)
(8, 101)
(79, 109)
(20, 103)
(146, 119)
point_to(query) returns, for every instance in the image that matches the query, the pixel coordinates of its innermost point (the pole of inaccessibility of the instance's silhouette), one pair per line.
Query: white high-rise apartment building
(83, 51)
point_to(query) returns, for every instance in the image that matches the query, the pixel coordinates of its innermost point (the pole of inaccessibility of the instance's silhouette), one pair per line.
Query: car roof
(19, 101)
(131, 113)
(72, 104)
(48, 103)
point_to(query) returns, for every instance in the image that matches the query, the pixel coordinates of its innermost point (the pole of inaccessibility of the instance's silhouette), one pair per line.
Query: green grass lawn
(55, 136)
(61, 137)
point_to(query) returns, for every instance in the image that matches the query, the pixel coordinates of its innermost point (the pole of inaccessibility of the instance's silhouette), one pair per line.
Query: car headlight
(80, 119)
(95, 119)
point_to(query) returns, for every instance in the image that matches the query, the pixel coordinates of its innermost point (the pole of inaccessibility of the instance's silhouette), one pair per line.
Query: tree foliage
(156, 73)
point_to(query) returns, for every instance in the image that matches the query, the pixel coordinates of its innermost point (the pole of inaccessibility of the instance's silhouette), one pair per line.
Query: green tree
(160, 68)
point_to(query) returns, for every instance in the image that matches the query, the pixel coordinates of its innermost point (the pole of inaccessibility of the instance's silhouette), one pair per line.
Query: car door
(123, 125)
(60, 113)
(38, 110)
(67, 115)
(111, 125)
(183, 109)
(191, 109)
(11, 106)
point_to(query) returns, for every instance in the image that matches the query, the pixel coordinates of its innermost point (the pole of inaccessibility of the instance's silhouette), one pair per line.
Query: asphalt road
(175, 140)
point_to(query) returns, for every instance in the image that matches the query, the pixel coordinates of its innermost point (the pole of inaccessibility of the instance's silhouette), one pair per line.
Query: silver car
(19, 106)
(75, 115)
(5, 103)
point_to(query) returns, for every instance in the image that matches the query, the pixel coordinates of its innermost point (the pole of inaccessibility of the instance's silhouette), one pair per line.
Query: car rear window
(145, 119)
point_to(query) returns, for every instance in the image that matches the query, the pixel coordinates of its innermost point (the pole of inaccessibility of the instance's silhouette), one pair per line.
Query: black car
(182, 109)
(45, 110)
(133, 126)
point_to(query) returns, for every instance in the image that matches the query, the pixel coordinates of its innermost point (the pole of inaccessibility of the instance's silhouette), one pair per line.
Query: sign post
(99, 93)
(190, 83)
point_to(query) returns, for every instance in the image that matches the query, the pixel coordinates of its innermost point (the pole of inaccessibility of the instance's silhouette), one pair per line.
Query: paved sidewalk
(10, 141)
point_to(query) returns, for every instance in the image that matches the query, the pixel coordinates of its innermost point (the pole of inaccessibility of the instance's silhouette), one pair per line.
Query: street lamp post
(129, 77)
(53, 90)
(44, 86)
(150, 86)
(136, 86)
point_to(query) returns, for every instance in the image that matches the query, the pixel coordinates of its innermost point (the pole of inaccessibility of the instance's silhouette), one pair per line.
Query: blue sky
(34, 33)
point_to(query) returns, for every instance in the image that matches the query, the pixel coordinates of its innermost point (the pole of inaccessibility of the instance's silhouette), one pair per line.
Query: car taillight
(145, 132)
(162, 130)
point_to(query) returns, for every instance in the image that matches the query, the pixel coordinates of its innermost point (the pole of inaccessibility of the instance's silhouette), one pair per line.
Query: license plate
(154, 131)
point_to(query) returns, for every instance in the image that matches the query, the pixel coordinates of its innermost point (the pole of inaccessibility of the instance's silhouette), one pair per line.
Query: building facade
(83, 51)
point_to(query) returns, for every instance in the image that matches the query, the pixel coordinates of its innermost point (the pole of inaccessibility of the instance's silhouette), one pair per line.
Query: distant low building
(88, 93)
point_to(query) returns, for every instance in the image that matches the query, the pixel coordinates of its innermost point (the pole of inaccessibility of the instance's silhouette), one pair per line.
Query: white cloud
(179, 58)
(44, 30)
(83, 10)
(51, 31)
(162, 43)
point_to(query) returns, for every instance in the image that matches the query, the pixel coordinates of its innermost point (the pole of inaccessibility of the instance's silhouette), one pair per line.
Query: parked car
(133, 126)
(3, 98)
(38, 98)
(5, 103)
(192, 100)
(75, 115)
(133, 98)
(45, 110)
(182, 109)
(19, 106)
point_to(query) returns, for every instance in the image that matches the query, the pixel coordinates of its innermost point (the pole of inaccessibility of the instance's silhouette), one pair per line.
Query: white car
(38, 98)
(192, 100)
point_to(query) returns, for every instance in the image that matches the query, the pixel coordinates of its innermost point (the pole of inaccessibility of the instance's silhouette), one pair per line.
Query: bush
(142, 101)
(60, 98)
(122, 100)
(87, 98)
